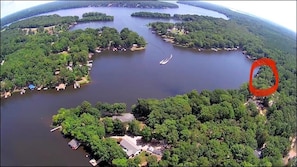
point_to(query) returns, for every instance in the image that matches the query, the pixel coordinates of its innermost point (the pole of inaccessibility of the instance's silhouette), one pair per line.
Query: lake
(116, 77)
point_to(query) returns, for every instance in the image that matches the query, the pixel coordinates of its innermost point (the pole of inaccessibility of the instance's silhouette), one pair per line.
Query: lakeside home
(130, 148)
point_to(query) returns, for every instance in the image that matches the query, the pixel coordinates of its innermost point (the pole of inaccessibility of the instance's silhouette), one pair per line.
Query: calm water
(116, 77)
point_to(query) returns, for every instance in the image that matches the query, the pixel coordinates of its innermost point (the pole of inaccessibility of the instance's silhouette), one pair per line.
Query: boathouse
(74, 144)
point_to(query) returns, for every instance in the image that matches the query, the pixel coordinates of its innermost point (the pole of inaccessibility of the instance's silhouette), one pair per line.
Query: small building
(31, 86)
(57, 72)
(130, 148)
(61, 87)
(258, 153)
(23, 91)
(69, 68)
(74, 144)
(76, 85)
(7, 94)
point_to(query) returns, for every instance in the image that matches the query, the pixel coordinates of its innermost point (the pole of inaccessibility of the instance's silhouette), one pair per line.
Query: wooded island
(151, 15)
(60, 5)
(95, 16)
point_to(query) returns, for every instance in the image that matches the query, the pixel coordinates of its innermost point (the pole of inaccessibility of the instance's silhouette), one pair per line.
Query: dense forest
(34, 58)
(65, 4)
(215, 129)
(151, 15)
(210, 128)
(95, 16)
(259, 39)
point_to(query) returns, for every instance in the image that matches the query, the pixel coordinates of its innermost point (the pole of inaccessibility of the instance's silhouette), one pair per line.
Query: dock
(56, 128)
(93, 162)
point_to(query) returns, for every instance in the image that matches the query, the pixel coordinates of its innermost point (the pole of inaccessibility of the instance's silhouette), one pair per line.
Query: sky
(280, 12)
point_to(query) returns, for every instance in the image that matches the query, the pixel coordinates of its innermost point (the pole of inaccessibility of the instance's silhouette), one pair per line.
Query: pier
(56, 128)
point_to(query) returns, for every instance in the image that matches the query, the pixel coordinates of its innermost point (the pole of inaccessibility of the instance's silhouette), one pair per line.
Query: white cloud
(280, 12)
(9, 7)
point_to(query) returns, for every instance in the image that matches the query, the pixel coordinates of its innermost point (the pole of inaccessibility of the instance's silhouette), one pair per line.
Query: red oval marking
(272, 65)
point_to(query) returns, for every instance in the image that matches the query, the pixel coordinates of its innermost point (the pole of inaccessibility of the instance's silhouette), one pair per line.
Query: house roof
(74, 144)
(126, 117)
(130, 147)
(31, 86)
(158, 152)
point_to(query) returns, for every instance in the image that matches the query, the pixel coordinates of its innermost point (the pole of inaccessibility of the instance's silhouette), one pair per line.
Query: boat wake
(166, 60)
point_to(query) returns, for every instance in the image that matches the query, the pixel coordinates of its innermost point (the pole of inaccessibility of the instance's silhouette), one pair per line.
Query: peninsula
(40, 51)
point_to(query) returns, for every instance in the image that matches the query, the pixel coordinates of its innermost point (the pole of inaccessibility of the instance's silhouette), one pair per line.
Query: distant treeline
(273, 35)
(95, 16)
(43, 21)
(59, 5)
(151, 15)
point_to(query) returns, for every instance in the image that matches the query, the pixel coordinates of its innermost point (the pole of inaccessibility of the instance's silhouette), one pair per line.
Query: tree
(252, 109)
(134, 127)
(85, 107)
(203, 161)
(119, 128)
(131, 162)
(146, 134)
(262, 136)
(120, 162)
(109, 126)
(152, 161)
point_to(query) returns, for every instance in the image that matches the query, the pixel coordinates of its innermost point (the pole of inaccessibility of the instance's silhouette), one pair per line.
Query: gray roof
(74, 144)
(129, 147)
(158, 152)
(125, 117)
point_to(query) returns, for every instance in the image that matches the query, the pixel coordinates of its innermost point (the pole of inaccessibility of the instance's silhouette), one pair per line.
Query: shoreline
(170, 39)
(77, 84)
(83, 81)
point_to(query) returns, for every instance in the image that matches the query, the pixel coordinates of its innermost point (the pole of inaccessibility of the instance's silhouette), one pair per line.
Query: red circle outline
(268, 91)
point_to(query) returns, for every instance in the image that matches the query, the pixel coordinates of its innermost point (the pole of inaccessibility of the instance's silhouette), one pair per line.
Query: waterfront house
(74, 144)
(130, 148)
